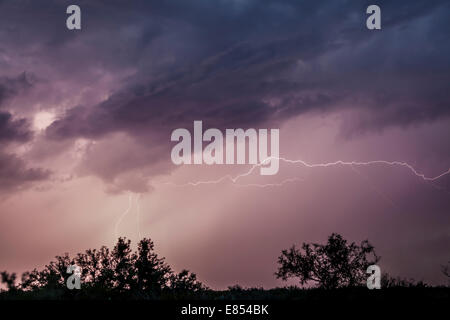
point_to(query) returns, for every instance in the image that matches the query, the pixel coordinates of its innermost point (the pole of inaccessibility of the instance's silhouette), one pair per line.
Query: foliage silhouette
(332, 265)
(109, 273)
(124, 274)
(9, 280)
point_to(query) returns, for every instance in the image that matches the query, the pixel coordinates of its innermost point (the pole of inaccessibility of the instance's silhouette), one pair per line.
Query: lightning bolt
(130, 201)
(266, 185)
(136, 199)
(138, 216)
(235, 179)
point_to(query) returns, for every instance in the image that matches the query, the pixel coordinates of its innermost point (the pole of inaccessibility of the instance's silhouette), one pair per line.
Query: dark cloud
(236, 63)
(15, 175)
(10, 86)
(248, 64)
(13, 130)
(304, 57)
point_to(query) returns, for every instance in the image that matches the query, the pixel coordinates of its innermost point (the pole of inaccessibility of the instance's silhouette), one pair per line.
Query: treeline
(121, 273)
(106, 273)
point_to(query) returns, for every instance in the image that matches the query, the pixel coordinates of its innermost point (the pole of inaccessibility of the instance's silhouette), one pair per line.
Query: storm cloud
(275, 61)
(15, 175)
(86, 117)
(12, 129)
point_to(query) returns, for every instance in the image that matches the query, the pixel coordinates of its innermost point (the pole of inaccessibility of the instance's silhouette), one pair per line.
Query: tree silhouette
(124, 273)
(152, 272)
(185, 282)
(105, 272)
(97, 268)
(53, 276)
(9, 279)
(332, 265)
(123, 260)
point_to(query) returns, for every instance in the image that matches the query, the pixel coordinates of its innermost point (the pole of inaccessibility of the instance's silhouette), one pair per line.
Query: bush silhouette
(332, 265)
(387, 281)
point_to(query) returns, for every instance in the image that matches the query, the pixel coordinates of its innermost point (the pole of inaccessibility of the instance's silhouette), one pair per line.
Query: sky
(86, 118)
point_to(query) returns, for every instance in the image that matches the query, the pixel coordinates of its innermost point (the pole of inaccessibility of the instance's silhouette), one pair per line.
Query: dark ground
(283, 303)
